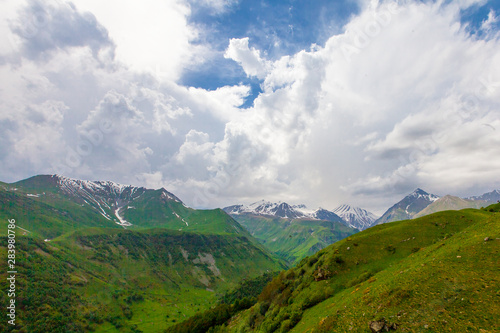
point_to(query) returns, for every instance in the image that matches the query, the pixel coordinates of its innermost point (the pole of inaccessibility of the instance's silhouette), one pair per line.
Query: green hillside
(43, 211)
(81, 271)
(438, 273)
(46, 217)
(112, 280)
(293, 239)
(43, 200)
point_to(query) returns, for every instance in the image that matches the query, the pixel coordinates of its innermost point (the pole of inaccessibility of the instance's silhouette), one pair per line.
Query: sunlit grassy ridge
(438, 273)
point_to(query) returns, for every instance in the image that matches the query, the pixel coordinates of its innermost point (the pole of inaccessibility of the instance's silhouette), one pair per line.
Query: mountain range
(119, 205)
(98, 256)
(420, 203)
(353, 217)
(293, 231)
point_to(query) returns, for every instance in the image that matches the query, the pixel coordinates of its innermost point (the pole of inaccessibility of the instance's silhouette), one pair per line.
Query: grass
(112, 280)
(432, 274)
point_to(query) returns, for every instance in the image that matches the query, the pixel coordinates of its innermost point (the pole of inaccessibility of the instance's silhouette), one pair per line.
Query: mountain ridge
(449, 202)
(407, 207)
(355, 217)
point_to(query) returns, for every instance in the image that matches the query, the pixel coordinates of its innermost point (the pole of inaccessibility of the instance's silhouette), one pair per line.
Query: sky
(233, 101)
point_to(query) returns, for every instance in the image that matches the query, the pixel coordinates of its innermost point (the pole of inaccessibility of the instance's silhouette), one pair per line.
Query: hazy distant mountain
(449, 202)
(355, 217)
(408, 206)
(490, 197)
(280, 209)
(283, 210)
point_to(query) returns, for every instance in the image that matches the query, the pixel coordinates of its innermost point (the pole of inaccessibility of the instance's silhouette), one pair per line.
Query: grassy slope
(432, 274)
(293, 240)
(46, 217)
(111, 280)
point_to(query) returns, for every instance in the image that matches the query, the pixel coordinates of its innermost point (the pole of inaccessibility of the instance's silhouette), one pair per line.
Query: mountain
(279, 209)
(437, 273)
(116, 205)
(100, 256)
(290, 231)
(490, 197)
(407, 207)
(355, 217)
(449, 202)
(283, 210)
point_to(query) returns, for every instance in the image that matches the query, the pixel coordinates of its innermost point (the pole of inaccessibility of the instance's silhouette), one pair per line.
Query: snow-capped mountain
(283, 210)
(326, 215)
(491, 197)
(263, 207)
(408, 207)
(355, 217)
(108, 198)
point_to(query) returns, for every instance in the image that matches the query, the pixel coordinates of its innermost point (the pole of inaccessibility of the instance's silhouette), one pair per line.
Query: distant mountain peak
(355, 217)
(421, 193)
(278, 209)
(491, 197)
(264, 207)
(359, 218)
(408, 207)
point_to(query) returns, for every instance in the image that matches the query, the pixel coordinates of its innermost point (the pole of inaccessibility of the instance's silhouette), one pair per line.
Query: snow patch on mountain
(491, 197)
(122, 222)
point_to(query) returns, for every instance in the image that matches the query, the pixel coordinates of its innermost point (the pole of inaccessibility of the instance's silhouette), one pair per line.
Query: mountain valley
(97, 256)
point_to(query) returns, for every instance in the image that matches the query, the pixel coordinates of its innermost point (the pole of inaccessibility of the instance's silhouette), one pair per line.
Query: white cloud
(150, 35)
(249, 59)
(488, 25)
(404, 97)
(412, 83)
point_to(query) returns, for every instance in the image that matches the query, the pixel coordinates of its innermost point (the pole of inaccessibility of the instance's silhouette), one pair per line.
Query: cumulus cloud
(403, 97)
(409, 75)
(45, 26)
(152, 36)
(248, 58)
(32, 145)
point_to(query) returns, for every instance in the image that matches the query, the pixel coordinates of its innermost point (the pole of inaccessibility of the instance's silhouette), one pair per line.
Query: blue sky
(226, 101)
(281, 28)
(277, 28)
